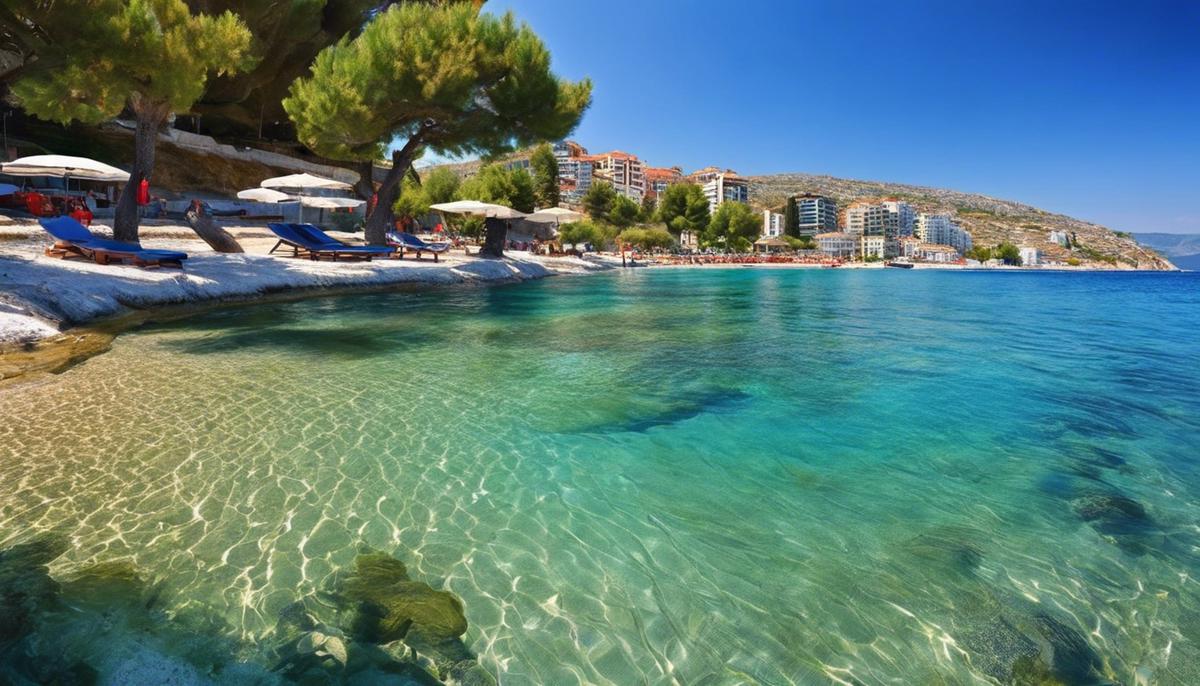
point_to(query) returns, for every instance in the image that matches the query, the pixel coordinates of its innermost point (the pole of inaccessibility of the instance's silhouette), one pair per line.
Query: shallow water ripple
(720, 477)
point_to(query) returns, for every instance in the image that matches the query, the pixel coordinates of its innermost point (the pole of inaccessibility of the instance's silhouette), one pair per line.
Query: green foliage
(646, 238)
(802, 243)
(580, 232)
(734, 225)
(980, 253)
(599, 199)
(545, 175)
(624, 212)
(683, 207)
(153, 56)
(1010, 253)
(483, 81)
(649, 209)
(441, 185)
(1074, 261)
(791, 218)
(495, 184)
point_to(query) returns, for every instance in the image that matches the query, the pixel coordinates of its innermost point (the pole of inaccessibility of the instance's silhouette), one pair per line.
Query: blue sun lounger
(73, 238)
(306, 240)
(407, 241)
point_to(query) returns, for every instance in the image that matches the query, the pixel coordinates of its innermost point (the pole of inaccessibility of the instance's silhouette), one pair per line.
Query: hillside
(989, 220)
(1183, 249)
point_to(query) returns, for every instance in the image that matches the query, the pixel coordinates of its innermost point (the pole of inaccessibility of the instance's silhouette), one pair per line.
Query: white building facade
(939, 229)
(772, 224)
(838, 244)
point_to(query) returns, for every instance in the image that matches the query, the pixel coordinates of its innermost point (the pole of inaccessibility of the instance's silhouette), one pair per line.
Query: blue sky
(1087, 108)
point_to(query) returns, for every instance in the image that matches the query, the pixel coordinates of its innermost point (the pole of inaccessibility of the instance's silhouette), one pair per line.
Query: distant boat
(899, 265)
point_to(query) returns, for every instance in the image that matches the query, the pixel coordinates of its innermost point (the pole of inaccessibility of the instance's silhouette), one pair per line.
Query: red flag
(143, 196)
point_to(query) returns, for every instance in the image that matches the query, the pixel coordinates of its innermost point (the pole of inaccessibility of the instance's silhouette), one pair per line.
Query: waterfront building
(872, 246)
(837, 244)
(621, 169)
(727, 187)
(574, 178)
(900, 215)
(815, 214)
(907, 246)
(866, 219)
(772, 224)
(940, 229)
(1030, 257)
(658, 178)
(930, 252)
(564, 150)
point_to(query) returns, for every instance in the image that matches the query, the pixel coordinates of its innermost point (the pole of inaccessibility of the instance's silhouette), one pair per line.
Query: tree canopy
(734, 225)
(544, 167)
(496, 184)
(646, 238)
(598, 200)
(580, 232)
(624, 212)
(683, 207)
(441, 77)
(150, 56)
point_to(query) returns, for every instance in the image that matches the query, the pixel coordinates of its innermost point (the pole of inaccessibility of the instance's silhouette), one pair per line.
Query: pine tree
(150, 56)
(544, 166)
(598, 201)
(791, 218)
(446, 78)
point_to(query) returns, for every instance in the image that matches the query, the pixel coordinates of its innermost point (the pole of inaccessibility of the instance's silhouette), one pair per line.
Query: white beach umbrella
(304, 181)
(330, 203)
(63, 166)
(264, 195)
(555, 215)
(479, 209)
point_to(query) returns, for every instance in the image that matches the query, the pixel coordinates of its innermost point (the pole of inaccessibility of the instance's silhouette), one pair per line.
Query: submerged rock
(1121, 518)
(388, 606)
(25, 583)
(949, 547)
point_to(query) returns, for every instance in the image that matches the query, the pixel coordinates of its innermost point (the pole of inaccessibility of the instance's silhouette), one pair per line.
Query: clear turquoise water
(692, 476)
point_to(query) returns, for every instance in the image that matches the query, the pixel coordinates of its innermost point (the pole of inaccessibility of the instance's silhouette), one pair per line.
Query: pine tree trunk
(217, 238)
(145, 138)
(383, 217)
(493, 241)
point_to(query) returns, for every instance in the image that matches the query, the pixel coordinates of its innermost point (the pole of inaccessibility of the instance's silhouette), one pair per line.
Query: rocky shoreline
(45, 302)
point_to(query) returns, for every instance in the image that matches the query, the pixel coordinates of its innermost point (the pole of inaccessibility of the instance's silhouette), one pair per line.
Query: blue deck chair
(306, 240)
(407, 241)
(73, 238)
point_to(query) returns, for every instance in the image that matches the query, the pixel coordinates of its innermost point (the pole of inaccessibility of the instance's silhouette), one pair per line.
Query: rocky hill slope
(989, 220)
(1183, 249)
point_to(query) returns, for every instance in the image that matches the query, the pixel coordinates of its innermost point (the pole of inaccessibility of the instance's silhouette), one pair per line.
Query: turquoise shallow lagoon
(667, 476)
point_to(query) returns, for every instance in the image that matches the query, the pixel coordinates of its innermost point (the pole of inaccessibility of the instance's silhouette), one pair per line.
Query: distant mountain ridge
(989, 220)
(1183, 249)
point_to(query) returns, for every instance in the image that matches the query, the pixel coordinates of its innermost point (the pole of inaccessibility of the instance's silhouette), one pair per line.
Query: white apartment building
(1059, 237)
(901, 215)
(574, 178)
(816, 214)
(1030, 257)
(865, 219)
(622, 170)
(837, 244)
(726, 187)
(940, 229)
(872, 246)
(772, 224)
